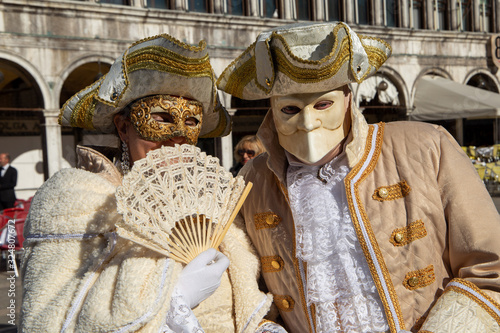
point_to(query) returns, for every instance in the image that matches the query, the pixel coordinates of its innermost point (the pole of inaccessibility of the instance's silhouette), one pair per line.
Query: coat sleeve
(470, 302)
(77, 276)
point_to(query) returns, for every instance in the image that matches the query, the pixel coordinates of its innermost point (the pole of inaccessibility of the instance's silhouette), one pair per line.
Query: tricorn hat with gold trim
(152, 66)
(303, 58)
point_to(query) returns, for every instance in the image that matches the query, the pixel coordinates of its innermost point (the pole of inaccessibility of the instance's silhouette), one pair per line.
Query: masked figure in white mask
(359, 228)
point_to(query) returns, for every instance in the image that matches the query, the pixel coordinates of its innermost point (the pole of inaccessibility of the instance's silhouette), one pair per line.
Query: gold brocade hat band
(159, 65)
(303, 58)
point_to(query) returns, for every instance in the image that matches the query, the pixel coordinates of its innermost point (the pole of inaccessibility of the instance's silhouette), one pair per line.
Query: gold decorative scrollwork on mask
(181, 111)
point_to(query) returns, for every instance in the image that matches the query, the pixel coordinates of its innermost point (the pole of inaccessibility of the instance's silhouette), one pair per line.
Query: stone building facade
(50, 49)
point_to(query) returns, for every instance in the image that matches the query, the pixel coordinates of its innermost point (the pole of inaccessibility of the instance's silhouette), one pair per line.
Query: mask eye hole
(322, 105)
(191, 121)
(290, 109)
(162, 117)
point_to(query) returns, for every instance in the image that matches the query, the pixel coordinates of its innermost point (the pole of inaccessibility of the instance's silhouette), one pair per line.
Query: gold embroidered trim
(83, 112)
(284, 302)
(234, 78)
(419, 278)
(240, 78)
(473, 297)
(314, 62)
(386, 276)
(266, 220)
(201, 45)
(418, 324)
(309, 75)
(403, 236)
(282, 188)
(272, 264)
(392, 192)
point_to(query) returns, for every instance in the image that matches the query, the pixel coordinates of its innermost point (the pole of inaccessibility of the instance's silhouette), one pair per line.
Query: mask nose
(308, 120)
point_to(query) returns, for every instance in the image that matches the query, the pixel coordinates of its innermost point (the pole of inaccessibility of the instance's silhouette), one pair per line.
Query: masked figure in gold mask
(360, 228)
(78, 274)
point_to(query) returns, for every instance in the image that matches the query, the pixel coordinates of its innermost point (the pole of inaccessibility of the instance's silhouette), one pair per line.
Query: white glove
(201, 277)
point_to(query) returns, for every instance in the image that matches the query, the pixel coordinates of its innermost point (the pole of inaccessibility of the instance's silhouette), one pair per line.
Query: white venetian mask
(311, 125)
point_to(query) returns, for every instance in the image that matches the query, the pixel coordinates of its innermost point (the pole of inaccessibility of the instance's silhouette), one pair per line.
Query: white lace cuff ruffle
(180, 317)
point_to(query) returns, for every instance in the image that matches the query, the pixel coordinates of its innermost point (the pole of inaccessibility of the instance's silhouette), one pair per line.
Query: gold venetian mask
(184, 118)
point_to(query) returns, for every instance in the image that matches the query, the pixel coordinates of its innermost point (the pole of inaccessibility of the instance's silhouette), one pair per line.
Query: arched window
(481, 132)
(381, 100)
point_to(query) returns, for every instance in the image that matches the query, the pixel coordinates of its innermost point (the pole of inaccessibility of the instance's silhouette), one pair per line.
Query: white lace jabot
(339, 282)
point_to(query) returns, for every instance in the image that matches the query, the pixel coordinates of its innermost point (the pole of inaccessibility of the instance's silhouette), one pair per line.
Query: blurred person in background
(8, 180)
(247, 148)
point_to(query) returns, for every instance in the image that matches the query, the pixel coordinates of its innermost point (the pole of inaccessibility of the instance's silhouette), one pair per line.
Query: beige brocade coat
(425, 222)
(78, 276)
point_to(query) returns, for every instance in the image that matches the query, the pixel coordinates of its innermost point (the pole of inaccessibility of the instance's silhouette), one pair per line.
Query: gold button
(413, 281)
(275, 264)
(285, 303)
(270, 219)
(383, 193)
(398, 238)
(268, 82)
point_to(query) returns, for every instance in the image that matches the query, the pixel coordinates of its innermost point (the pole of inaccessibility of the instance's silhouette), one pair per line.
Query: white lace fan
(178, 201)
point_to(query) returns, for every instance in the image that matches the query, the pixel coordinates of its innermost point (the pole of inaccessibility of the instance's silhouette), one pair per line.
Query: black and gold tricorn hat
(158, 65)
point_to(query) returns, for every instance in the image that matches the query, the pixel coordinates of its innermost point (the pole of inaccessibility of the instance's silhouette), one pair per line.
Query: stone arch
(391, 94)
(31, 72)
(428, 71)
(104, 61)
(491, 83)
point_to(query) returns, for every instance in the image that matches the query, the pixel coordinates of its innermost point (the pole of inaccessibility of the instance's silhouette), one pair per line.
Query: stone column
(453, 15)
(288, 10)
(180, 5)
(254, 8)
(53, 141)
(138, 3)
(476, 15)
(378, 13)
(319, 10)
(227, 141)
(218, 6)
(429, 13)
(349, 11)
(404, 11)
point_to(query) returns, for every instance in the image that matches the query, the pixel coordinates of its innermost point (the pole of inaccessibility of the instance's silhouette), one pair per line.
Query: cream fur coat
(79, 276)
